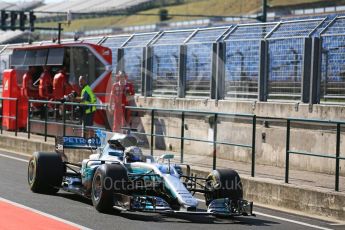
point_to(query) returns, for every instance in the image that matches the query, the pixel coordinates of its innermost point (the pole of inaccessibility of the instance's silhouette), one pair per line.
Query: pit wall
(270, 137)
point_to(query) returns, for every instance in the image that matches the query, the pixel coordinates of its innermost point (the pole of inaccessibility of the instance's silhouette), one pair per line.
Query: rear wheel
(45, 172)
(223, 183)
(108, 179)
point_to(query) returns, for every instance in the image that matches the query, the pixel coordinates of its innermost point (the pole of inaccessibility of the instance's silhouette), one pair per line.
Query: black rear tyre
(223, 183)
(108, 179)
(45, 172)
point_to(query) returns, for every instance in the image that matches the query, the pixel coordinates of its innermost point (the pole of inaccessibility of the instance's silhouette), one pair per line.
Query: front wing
(218, 207)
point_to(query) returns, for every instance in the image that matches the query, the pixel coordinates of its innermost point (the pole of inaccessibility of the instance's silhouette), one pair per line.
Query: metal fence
(10, 117)
(252, 120)
(289, 60)
(62, 124)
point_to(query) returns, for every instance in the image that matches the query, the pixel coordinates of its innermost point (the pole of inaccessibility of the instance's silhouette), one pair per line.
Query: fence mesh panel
(199, 61)
(176, 38)
(133, 59)
(254, 31)
(165, 70)
(4, 60)
(285, 58)
(166, 62)
(114, 43)
(207, 35)
(140, 40)
(199, 70)
(242, 67)
(332, 84)
(296, 29)
(338, 27)
(242, 60)
(285, 68)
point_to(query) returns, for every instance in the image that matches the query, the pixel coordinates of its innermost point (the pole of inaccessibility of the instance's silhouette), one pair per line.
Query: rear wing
(74, 142)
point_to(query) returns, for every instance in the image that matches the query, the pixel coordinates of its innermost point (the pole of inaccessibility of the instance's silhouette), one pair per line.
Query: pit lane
(72, 208)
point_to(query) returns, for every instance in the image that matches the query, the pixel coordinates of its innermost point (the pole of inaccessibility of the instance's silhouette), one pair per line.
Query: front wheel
(45, 172)
(108, 179)
(223, 183)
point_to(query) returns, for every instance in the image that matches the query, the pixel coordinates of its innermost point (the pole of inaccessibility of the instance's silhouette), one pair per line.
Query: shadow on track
(175, 217)
(193, 219)
(75, 197)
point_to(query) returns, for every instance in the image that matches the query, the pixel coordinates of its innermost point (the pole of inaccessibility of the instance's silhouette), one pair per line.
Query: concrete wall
(270, 139)
(314, 201)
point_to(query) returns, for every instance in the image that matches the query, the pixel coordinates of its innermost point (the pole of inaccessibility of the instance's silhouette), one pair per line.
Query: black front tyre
(108, 179)
(45, 172)
(223, 183)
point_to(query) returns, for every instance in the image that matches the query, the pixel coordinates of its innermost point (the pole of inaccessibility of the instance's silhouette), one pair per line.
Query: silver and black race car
(118, 176)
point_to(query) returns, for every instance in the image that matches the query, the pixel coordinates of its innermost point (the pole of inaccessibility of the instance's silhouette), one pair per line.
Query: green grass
(204, 7)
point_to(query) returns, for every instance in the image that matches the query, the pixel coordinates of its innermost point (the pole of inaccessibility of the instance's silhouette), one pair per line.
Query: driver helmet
(133, 154)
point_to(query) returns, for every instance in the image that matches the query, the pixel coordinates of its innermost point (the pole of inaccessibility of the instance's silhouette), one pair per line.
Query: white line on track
(286, 220)
(13, 158)
(44, 214)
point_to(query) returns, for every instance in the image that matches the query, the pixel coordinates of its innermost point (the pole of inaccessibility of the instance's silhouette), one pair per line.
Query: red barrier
(12, 90)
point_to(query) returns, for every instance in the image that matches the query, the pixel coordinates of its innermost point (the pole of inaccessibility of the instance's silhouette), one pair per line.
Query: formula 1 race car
(120, 177)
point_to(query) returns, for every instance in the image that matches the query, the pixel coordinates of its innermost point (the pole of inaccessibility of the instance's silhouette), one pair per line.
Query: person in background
(122, 94)
(28, 89)
(46, 84)
(87, 97)
(61, 86)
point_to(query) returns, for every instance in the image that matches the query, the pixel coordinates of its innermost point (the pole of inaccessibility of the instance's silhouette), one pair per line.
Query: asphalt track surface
(77, 210)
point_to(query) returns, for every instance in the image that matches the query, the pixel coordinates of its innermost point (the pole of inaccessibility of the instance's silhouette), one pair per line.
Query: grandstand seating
(89, 6)
(20, 5)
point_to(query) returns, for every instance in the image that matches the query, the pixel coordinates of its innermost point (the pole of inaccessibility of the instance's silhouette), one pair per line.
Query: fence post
(253, 145)
(120, 59)
(220, 73)
(143, 72)
(28, 120)
(214, 69)
(215, 141)
(152, 129)
(287, 151)
(263, 71)
(182, 136)
(148, 72)
(45, 121)
(337, 159)
(64, 119)
(182, 72)
(315, 87)
(306, 75)
(16, 124)
(83, 129)
(2, 113)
